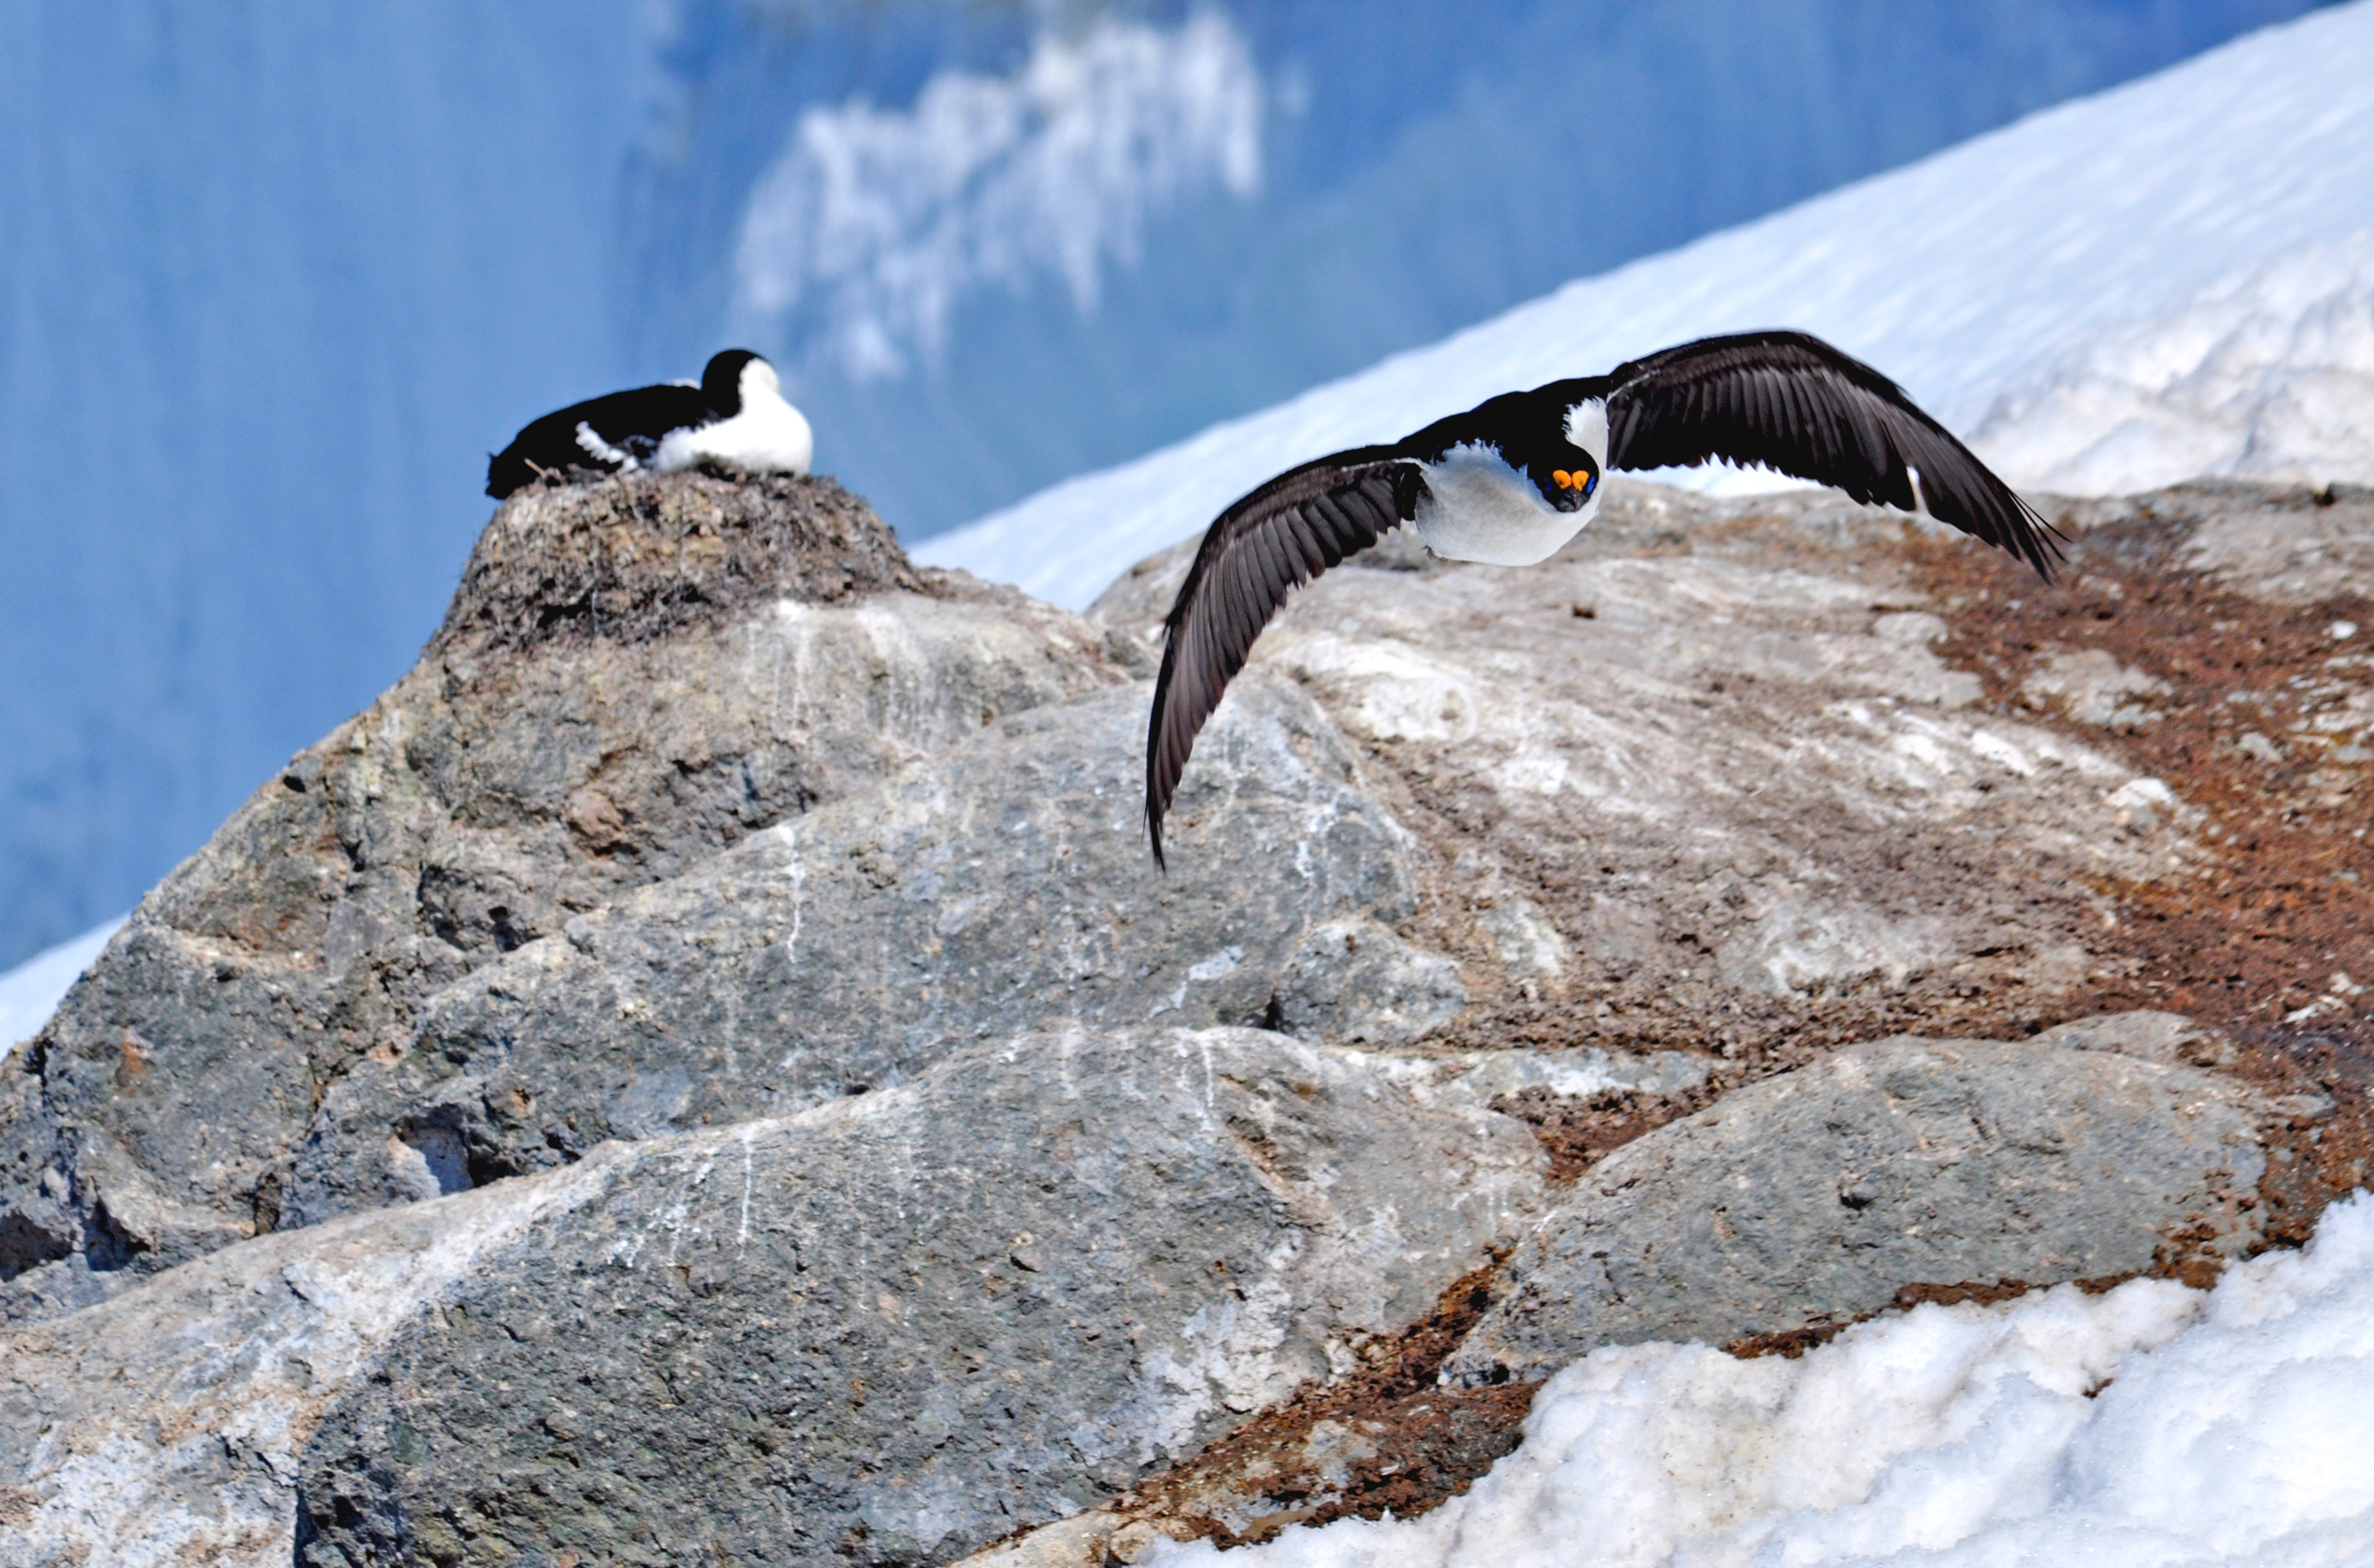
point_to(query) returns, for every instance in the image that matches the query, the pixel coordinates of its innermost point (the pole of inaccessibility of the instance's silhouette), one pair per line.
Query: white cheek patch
(760, 381)
(1586, 426)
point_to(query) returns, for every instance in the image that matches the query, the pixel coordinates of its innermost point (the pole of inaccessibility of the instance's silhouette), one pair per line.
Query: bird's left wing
(1258, 551)
(1792, 403)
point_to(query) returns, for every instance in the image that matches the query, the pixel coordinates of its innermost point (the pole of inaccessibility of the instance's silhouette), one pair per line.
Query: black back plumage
(1782, 399)
(633, 422)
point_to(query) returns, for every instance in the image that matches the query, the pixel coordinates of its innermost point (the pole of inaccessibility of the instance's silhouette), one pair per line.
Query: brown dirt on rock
(1698, 893)
(1754, 1034)
(2252, 951)
(1791, 1343)
(2265, 948)
(1386, 1438)
(630, 559)
(1578, 1131)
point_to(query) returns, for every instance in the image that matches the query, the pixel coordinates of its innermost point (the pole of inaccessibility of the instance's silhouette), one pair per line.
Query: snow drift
(31, 991)
(2153, 1425)
(2164, 280)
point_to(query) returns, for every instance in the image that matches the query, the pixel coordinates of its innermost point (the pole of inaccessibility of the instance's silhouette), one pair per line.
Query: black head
(720, 383)
(1546, 432)
(1553, 435)
(1567, 490)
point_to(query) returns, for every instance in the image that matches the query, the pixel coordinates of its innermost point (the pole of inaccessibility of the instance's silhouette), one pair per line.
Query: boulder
(1707, 775)
(1006, 882)
(2278, 543)
(906, 1323)
(633, 676)
(1820, 1195)
(163, 1426)
(892, 1328)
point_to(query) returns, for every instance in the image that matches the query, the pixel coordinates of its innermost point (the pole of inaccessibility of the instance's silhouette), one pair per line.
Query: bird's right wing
(1258, 551)
(1792, 403)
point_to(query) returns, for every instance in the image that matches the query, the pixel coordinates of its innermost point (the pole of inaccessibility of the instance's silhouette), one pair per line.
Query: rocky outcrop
(1817, 1196)
(705, 1064)
(909, 1320)
(633, 677)
(1684, 772)
(850, 947)
(918, 1318)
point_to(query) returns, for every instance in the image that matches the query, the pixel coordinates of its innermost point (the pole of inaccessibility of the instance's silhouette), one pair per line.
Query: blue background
(274, 277)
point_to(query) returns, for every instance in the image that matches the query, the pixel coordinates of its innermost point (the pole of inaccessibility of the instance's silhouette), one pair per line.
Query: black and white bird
(735, 412)
(1516, 477)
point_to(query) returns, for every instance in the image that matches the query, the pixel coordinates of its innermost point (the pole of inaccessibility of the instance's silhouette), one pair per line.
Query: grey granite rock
(162, 1427)
(705, 812)
(2281, 543)
(890, 1328)
(1710, 774)
(903, 1323)
(2091, 688)
(2168, 1038)
(1818, 1195)
(1004, 883)
(634, 676)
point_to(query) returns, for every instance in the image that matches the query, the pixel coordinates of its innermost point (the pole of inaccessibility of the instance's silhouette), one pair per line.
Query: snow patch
(31, 991)
(2174, 271)
(2266, 374)
(2151, 1425)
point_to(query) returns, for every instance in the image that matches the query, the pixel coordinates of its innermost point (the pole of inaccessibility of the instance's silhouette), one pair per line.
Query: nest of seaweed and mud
(638, 555)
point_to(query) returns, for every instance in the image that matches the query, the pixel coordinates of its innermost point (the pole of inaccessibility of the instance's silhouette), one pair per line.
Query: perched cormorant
(735, 414)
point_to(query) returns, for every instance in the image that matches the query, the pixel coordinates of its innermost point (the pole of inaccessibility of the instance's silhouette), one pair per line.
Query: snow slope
(2166, 279)
(31, 991)
(2153, 1426)
(2267, 372)
(1057, 238)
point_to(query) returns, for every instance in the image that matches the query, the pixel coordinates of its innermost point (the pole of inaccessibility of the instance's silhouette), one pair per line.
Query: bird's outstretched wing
(1792, 403)
(1260, 550)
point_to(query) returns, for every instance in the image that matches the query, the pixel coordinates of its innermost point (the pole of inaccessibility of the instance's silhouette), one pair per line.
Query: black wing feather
(632, 421)
(1791, 402)
(1260, 550)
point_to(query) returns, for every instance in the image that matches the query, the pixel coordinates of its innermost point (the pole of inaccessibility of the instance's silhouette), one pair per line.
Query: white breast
(1479, 509)
(768, 436)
